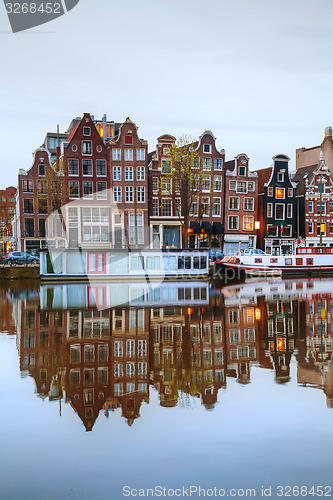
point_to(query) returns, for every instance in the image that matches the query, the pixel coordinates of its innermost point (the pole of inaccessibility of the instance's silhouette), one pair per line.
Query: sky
(257, 73)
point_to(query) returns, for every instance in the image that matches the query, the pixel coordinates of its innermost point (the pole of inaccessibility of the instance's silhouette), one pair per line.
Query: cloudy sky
(257, 73)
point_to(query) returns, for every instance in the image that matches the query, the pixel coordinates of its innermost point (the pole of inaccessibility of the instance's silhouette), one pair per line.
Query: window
(28, 206)
(86, 147)
(279, 211)
(207, 164)
(205, 206)
(241, 187)
(321, 229)
(140, 194)
(250, 186)
(166, 166)
(269, 209)
(73, 167)
(27, 186)
(155, 207)
(233, 203)
(95, 228)
(310, 227)
(29, 228)
(270, 192)
(232, 185)
(87, 167)
(279, 193)
(323, 207)
(155, 184)
(242, 171)
(217, 183)
(117, 194)
(41, 170)
(128, 154)
(280, 177)
(136, 227)
(118, 370)
(233, 221)
(116, 173)
(249, 204)
(248, 224)
(166, 185)
(86, 131)
(206, 183)
(87, 190)
(103, 352)
(207, 148)
(101, 190)
(178, 207)
(310, 206)
(118, 349)
(116, 154)
(129, 194)
(196, 162)
(128, 139)
(42, 206)
(166, 208)
(218, 163)
(74, 189)
(194, 207)
(41, 228)
(75, 354)
(289, 210)
(321, 187)
(331, 227)
(42, 187)
(290, 192)
(195, 182)
(140, 154)
(101, 167)
(216, 206)
(128, 173)
(140, 173)
(331, 207)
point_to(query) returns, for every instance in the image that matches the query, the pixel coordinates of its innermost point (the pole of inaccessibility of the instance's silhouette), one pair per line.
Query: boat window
(288, 262)
(299, 262)
(309, 262)
(273, 261)
(258, 261)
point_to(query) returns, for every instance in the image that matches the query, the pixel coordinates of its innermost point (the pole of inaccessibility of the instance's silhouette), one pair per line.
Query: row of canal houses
(111, 193)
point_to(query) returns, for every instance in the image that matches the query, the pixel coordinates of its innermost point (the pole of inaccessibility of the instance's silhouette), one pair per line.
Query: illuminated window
(248, 223)
(270, 192)
(279, 193)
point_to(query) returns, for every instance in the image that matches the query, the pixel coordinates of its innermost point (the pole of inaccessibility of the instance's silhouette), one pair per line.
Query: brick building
(7, 212)
(277, 208)
(166, 213)
(241, 194)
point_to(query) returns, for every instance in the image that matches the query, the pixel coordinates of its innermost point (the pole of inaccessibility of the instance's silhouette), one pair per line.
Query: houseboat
(310, 261)
(77, 264)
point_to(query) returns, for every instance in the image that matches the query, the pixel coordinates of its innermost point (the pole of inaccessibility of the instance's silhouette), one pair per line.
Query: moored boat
(311, 261)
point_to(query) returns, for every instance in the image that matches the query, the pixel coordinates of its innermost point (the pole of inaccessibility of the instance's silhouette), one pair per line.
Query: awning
(196, 228)
(207, 228)
(217, 228)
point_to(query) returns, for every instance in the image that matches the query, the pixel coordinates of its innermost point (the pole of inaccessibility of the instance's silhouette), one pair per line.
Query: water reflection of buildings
(104, 360)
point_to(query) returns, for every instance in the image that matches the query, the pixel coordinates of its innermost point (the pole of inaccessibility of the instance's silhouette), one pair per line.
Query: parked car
(21, 258)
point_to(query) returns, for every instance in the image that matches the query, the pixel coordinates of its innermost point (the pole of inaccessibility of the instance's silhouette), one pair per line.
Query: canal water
(111, 391)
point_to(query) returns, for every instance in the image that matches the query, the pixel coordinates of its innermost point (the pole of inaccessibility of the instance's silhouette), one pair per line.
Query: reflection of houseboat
(101, 264)
(139, 294)
(311, 261)
(276, 287)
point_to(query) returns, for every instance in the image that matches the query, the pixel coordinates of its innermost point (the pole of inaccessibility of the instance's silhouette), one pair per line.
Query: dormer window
(207, 148)
(128, 139)
(41, 170)
(86, 131)
(280, 176)
(242, 171)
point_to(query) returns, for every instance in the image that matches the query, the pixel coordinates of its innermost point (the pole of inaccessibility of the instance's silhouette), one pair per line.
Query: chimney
(328, 133)
(105, 132)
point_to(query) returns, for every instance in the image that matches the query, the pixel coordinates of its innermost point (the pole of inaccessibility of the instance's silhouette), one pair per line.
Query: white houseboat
(69, 264)
(311, 261)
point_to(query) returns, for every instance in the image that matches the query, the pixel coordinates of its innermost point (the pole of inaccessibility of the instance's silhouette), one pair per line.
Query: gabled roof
(264, 175)
(71, 135)
(301, 175)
